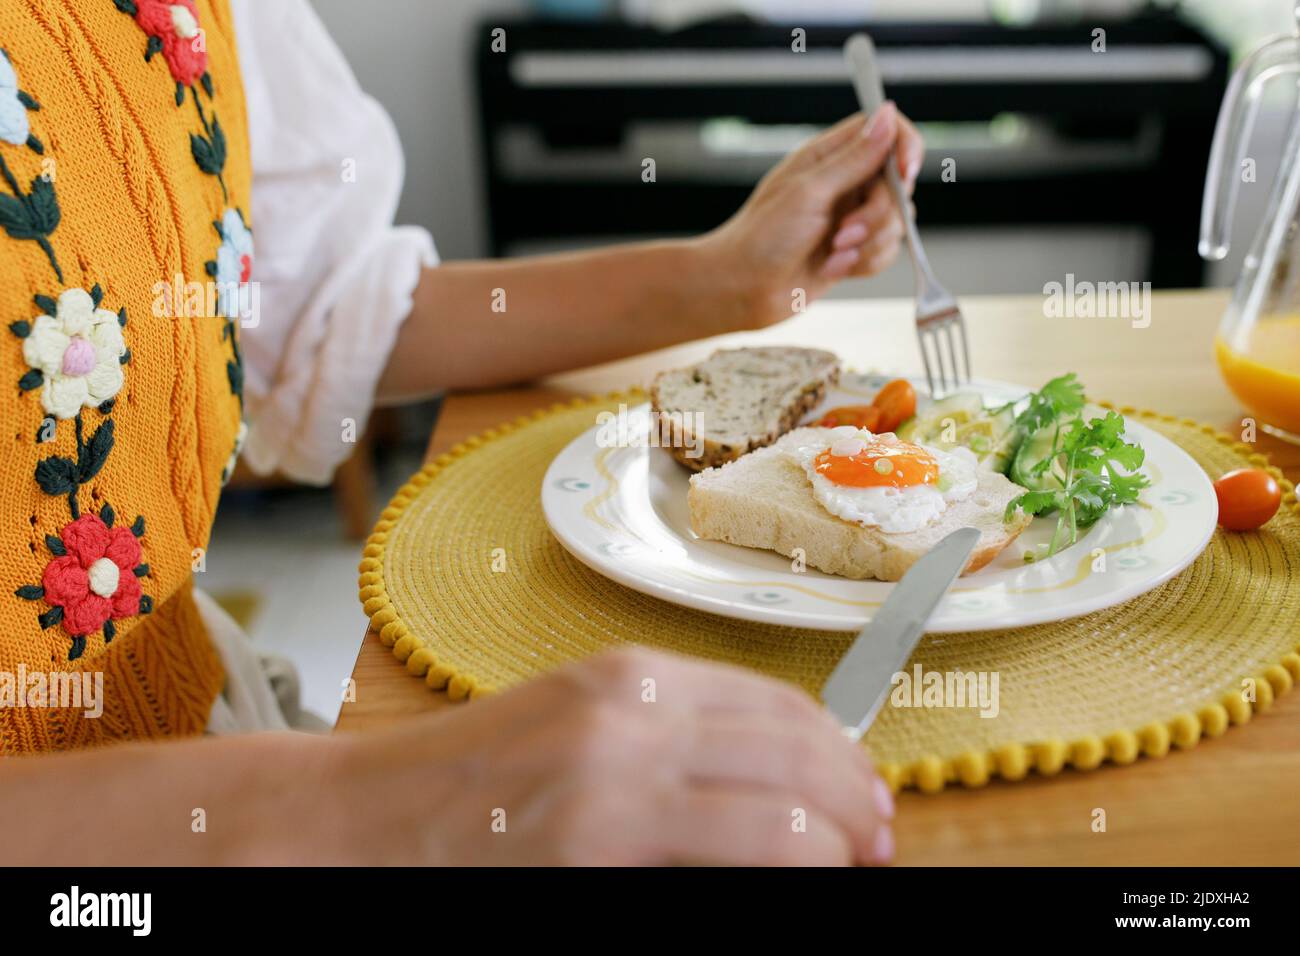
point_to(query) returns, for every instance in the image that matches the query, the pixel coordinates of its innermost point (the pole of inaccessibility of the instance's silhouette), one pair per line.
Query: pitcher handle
(1277, 57)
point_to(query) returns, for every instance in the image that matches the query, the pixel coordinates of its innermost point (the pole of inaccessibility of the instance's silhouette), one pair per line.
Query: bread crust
(680, 441)
(764, 501)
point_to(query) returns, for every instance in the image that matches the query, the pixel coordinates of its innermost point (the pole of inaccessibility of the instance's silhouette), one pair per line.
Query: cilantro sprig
(1087, 469)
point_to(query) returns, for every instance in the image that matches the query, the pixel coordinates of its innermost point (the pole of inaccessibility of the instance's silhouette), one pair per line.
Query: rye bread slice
(738, 400)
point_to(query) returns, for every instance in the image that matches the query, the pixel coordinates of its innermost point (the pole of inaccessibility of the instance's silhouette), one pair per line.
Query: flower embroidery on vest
(34, 214)
(234, 265)
(14, 103)
(232, 269)
(97, 577)
(173, 30)
(93, 578)
(76, 352)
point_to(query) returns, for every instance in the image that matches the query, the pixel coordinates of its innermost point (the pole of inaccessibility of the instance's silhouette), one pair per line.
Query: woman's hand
(589, 766)
(823, 214)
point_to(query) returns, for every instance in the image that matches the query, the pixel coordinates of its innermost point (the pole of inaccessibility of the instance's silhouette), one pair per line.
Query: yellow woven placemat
(1159, 671)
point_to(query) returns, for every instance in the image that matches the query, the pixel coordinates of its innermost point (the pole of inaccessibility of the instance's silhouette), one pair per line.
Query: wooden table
(1229, 801)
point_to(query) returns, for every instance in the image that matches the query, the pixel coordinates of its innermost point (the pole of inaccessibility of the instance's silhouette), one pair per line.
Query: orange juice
(1265, 374)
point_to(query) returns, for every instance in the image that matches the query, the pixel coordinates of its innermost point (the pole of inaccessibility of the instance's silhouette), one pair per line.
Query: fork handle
(861, 55)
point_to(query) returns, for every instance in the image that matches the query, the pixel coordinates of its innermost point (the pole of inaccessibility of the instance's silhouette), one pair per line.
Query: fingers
(874, 214)
(681, 683)
(856, 160)
(830, 772)
(910, 151)
(823, 144)
(736, 827)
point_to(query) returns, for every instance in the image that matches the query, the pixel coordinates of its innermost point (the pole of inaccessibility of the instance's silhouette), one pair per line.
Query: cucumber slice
(1033, 450)
(931, 424)
(961, 420)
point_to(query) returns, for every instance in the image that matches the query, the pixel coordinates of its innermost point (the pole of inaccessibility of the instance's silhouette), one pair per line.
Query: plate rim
(814, 620)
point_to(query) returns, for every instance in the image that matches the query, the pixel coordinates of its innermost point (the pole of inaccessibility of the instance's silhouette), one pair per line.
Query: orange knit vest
(125, 252)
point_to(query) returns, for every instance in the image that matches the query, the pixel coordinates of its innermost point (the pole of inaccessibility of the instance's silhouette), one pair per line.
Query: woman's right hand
(630, 758)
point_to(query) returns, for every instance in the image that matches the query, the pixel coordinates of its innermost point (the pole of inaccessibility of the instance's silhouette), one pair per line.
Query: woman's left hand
(823, 214)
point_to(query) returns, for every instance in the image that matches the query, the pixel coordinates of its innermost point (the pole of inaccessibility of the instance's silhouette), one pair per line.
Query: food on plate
(738, 400)
(859, 416)
(961, 421)
(897, 403)
(1075, 467)
(893, 405)
(880, 481)
(902, 499)
(1248, 498)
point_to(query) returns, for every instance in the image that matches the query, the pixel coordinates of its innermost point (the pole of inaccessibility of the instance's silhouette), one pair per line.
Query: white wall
(414, 57)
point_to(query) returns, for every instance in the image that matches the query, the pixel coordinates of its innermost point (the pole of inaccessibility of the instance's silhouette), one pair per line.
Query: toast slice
(765, 500)
(738, 400)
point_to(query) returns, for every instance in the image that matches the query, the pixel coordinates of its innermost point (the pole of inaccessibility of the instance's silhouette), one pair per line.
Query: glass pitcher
(1258, 343)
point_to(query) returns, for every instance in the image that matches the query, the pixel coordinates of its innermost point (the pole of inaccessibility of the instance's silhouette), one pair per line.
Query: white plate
(622, 511)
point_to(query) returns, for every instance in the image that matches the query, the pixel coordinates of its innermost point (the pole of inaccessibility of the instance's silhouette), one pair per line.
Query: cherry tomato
(897, 403)
(859, 416)
(1248, 497)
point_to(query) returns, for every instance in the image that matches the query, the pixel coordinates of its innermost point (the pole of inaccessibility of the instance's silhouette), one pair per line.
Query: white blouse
(335, 274)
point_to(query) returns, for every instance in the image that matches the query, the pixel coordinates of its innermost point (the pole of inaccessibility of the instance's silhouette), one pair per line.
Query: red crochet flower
(176, 26)
(96, 579)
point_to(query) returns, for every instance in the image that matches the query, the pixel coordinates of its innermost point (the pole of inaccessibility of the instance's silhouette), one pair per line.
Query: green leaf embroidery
(55, 545)
(110, 632)
(96, 295)
(140, 570)
(107, 515)
(30, 592)
(32, 215)
(44, 206)
(51, 617)
(46, 304)
(28, 101)
(236, 376)
(137, 529)
(56, 476)
(91, 457)
(20, 328)
(33, 378)
(78, 647)
(146, 604)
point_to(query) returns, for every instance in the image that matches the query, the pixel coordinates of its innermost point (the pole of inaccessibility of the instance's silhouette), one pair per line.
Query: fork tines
(935, 331)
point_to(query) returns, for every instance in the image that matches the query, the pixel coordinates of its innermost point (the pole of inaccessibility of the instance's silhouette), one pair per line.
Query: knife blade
(857, 687)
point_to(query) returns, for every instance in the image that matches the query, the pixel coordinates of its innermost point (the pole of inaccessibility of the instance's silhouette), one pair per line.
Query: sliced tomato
(859, 416)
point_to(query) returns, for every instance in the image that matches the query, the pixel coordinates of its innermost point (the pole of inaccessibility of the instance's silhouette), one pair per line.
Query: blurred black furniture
(580, 84)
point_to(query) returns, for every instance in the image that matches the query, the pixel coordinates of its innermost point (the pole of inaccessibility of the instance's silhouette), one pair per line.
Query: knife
(860, 682)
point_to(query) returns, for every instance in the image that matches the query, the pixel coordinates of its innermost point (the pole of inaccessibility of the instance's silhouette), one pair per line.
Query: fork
(937, 312)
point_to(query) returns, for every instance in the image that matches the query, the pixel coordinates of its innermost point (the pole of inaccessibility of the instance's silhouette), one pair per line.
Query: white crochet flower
(79, 352)
(234, 266)
(14, 126)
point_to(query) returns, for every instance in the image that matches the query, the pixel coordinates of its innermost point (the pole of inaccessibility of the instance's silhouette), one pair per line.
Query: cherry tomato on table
(1248, 497)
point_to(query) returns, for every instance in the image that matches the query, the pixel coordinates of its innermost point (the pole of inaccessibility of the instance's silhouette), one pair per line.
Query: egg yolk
(880, 464)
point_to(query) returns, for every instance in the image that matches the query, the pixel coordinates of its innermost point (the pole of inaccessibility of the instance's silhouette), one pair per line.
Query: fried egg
(879, 481)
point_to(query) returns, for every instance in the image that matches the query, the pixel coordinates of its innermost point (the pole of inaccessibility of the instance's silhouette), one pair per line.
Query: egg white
(892, 510)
